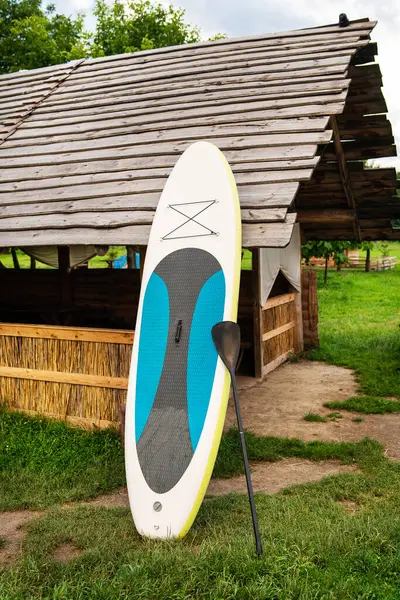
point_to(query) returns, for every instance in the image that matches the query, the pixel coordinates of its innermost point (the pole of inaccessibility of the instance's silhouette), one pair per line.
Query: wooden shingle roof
(85, 148)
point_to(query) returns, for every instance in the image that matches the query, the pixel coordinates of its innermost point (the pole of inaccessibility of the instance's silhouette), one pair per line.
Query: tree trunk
(326, 269)
(368, 261)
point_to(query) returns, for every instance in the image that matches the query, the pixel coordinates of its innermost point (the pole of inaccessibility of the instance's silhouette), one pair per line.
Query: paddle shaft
(250, 492)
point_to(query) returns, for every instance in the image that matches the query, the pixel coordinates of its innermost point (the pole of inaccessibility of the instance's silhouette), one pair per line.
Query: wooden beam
(271, 334)
(73, 334)
(142, 258)
(64, 272)
(130, 257)
(322, 215)
(271, 366)
(118, 383)
(345, 176)
(15, 258)
(279, 300)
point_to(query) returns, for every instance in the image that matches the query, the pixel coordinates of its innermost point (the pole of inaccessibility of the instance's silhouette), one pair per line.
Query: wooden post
(33, 263)
(257, 313)
(64, 271)
(130, 255)
(298, 306)
(142, 253)
(15, 258)
(368, 261)
(310, 309)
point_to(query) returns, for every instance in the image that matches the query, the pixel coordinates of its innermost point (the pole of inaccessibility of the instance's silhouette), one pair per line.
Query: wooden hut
(85, 150)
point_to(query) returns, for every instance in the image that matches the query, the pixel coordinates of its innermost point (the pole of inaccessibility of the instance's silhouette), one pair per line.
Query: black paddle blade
(226, 337)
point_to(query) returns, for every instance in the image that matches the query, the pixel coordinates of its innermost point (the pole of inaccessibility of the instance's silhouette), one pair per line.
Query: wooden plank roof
(85, 148)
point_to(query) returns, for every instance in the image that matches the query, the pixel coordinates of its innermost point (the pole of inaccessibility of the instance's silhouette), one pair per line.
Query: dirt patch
(277, 407)
(115, 500)
(352, 508)
(66, 552)
(12, 531)
(273, 477)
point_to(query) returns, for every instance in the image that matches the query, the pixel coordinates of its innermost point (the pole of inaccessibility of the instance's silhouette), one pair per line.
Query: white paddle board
(178, 386)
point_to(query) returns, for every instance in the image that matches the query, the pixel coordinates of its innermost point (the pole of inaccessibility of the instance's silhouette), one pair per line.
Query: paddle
(226, 337)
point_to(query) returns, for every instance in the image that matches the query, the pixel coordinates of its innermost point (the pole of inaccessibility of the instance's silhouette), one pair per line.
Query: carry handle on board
(226, 337)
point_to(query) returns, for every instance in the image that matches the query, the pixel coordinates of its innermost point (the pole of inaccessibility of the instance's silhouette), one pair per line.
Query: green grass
(314, 418)
(334, 415)
(43, 462)
(367, 405)
(313, 549)
(359, 328)
(246, 260)
(229, 460)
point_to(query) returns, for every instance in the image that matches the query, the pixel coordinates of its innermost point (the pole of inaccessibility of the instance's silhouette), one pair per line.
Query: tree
(367, 247)
(327, 250)
(139, 25)
(32, 38)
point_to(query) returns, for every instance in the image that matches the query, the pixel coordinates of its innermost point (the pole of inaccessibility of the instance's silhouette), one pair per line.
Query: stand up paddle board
(178, 386)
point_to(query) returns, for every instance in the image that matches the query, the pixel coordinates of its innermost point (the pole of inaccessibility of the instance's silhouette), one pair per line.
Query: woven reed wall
(82, 403)
(276, 317)
(282, 343)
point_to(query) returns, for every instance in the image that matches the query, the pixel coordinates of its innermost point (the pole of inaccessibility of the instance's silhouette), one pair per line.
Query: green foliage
(139, 25)
(314, 418)
(383, 248)
(367, 405)
(331, 249)
(32, 38)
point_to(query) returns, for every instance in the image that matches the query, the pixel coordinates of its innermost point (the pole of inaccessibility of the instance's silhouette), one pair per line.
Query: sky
(241, 18)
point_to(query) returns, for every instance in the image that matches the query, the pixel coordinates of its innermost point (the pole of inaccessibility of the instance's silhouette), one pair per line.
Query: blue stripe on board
(152, 347)
(202, 355)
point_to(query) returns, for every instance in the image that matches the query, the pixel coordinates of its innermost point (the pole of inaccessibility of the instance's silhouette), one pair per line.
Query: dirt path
(12, 531)
(277, 406)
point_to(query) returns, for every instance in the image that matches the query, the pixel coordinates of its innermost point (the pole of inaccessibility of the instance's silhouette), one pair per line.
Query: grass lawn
(336, 539)
(360, 327)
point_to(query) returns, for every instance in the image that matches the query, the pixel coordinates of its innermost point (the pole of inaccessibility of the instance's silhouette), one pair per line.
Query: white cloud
(239, 18)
